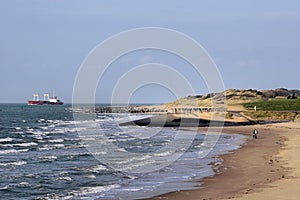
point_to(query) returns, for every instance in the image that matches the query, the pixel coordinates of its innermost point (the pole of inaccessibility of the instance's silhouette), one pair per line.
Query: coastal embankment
(185, 120)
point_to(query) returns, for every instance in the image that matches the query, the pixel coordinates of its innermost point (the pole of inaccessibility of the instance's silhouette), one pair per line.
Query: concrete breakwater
(129, 109)
(147, 109)
(171, 120)
(119, 109)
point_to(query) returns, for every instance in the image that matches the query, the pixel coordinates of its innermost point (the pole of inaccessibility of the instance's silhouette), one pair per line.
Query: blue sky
(255, 44)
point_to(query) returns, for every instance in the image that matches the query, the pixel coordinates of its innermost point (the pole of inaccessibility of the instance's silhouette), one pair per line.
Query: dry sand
(288, 187)
(266, 168)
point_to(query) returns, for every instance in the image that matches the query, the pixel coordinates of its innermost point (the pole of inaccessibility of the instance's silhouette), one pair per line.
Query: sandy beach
(264, 168)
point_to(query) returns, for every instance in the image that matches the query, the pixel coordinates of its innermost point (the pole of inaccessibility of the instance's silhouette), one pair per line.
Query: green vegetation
(275, 105)
(272, 115)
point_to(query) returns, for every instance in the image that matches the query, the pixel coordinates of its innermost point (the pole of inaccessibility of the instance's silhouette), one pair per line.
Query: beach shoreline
(249, 170)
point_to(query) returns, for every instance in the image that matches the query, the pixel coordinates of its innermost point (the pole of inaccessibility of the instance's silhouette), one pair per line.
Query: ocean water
(43, 157)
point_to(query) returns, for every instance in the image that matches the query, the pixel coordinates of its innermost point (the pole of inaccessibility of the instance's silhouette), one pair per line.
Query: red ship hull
(31, 102)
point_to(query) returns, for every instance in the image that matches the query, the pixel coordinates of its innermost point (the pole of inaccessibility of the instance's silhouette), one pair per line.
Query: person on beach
(255, 132)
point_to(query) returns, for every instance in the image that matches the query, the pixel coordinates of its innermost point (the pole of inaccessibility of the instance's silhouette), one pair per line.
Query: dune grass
(274, 105)
(271, 115)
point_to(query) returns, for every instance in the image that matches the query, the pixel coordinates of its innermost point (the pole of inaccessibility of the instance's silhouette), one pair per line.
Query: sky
(255, 44)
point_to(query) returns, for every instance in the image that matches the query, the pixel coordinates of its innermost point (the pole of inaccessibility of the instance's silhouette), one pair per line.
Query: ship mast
(35, 97)
(46, 97)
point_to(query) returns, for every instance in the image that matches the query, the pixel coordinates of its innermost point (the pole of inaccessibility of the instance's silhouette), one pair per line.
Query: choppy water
(42, 157)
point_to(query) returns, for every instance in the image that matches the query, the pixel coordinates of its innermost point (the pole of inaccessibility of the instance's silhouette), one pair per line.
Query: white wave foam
(29, 175)
(48, 158)
(23, 184)
(13, 151)
(65, 178)
(8, 139)
(59, 145)
(120, 150)
(134, 159)
(56, 140)
(36, 132)
(58, 130)
(17, 163)
(98, 168)
(100, 153)
(28, 144)
(39, 137)
(4, 188)
(45, 148)
(131, 189)
(98, 189)
(91, 176)
(41, 120)
(85, 192)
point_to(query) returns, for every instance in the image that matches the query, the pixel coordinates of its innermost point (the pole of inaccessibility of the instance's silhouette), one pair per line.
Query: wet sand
(264, 168)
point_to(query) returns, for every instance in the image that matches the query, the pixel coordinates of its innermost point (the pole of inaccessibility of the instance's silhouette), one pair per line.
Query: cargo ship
(46, 101)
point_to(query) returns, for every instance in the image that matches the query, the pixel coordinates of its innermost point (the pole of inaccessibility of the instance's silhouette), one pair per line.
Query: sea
(42, 156)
